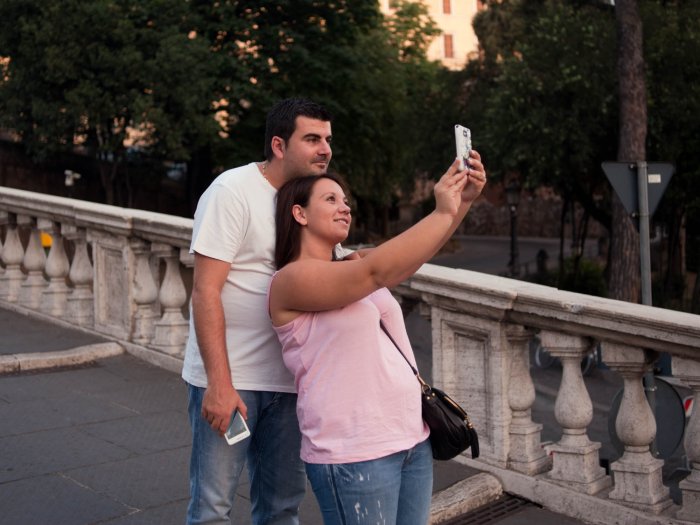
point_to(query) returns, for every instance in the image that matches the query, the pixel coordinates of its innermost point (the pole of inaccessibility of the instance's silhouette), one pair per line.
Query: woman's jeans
(395, 489)
(277, 481)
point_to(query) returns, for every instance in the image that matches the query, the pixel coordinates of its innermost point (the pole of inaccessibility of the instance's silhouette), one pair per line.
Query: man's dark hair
(288, 230)
(281, 119)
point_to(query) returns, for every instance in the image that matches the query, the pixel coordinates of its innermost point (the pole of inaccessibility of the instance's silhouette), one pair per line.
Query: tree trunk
(625, 279)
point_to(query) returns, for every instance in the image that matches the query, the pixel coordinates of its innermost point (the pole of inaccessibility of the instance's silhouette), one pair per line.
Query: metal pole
(649, 380)
(644, 249)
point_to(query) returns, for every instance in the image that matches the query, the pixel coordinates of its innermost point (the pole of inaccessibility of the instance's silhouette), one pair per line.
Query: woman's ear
(299, 214)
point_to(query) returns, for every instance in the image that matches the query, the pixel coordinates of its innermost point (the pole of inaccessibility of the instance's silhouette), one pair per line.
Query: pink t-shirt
(358, 398)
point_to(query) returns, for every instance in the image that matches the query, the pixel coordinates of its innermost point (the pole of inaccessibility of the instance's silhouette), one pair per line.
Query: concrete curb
(464, 496)
(42, 360)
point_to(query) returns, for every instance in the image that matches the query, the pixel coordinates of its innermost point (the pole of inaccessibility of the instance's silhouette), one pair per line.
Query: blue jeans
(277, 481)
(395, 489)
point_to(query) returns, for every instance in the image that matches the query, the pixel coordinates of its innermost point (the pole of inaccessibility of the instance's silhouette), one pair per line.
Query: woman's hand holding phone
(476, 175)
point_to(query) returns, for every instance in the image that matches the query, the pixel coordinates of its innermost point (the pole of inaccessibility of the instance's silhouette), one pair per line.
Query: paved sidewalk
(108, 442)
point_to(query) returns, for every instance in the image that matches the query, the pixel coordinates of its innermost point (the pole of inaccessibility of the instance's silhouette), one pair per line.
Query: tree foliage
(193, 80)
(544, 97)
(549, 111)
(92, 71)
(672, 55)
(370, 72)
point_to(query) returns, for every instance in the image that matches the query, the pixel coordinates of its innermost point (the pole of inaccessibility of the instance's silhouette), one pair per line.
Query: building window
(449, 49)
(446, 7)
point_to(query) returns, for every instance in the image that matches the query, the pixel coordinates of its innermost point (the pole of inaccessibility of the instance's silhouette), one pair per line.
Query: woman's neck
(316, 249)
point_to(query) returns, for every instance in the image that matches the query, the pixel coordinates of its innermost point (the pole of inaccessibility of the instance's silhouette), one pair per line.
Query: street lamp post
(513, 199)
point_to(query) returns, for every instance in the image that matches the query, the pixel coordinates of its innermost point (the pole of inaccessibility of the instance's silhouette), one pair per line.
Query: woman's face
(327, 213)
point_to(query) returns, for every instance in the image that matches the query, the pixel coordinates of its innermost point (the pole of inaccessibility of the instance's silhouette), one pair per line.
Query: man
(232, 359)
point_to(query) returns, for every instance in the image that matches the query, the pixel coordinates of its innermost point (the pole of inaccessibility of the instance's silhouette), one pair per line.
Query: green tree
(544, 98)
(97, 71)
(672, 55)
(625, 278)
(369, 72)
(100, 72)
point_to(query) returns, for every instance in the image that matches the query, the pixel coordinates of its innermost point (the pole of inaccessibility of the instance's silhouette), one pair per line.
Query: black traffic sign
(623, 177)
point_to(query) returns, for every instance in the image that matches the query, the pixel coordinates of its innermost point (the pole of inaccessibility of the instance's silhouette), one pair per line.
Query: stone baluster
(34, 262)
(526, 454)
(172, 328)
(145, 294)
(55, 297)
(688, 371)
(81, 301)
(575, 461)
(12, 256)
(637, 475)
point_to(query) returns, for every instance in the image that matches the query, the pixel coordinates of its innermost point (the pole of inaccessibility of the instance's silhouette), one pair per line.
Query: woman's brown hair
(288, 230)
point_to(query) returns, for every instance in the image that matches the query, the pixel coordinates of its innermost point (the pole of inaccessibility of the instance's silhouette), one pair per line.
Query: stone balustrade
(117, 272)
(126, 274)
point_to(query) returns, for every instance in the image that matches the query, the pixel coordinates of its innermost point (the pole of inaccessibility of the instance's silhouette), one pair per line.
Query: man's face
(308, 150)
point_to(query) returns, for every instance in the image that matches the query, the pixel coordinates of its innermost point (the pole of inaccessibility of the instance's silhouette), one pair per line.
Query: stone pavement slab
(22, 334)
(55, 499)
(109, 443)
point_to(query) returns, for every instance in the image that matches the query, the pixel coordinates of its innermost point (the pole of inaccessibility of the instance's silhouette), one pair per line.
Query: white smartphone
(463, 144)
(237, 430)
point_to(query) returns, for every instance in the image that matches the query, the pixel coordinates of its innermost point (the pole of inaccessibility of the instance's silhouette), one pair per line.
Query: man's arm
(220, 398)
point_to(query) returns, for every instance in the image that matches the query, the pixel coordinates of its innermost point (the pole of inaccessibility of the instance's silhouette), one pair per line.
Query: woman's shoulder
(309, 264)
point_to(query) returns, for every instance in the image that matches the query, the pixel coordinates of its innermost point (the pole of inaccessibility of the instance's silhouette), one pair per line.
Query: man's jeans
(395, 489)
(277, 480)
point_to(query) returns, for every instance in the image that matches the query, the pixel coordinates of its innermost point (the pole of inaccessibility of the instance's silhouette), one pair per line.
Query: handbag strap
(425, 386)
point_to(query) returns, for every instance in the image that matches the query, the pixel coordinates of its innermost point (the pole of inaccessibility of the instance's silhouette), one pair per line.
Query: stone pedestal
(114, 263)
(638, 481)
(55, 296)
(689, 372)
(145, 295)
(526, 454)
(12, 256)
(34, 263)
(81, 301)
(637, 475)
(575, 459)
(172, 328)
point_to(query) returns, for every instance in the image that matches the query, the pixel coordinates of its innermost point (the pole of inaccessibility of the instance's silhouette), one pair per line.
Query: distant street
(492, 254)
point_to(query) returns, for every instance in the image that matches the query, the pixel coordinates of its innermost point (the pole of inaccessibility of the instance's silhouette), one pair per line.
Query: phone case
(237, 430)
(463, 144)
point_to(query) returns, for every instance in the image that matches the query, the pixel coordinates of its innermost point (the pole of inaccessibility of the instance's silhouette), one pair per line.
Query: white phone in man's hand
(237, 430)
(463, 143)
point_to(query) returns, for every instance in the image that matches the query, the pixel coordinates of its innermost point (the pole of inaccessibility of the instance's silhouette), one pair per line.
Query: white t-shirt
(235, 223)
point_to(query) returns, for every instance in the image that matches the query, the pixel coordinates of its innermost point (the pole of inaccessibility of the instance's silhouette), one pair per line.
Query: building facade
(454, 17)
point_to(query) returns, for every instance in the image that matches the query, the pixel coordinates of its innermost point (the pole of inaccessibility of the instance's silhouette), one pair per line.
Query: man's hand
(218, 405)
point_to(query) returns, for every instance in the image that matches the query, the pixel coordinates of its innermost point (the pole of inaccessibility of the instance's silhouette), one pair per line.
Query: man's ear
(278, 147)
(299, 214)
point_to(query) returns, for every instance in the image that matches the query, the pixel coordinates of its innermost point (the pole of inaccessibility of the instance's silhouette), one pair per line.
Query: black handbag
(451, 430)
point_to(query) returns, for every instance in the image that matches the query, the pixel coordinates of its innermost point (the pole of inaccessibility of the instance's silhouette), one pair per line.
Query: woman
(364, 443)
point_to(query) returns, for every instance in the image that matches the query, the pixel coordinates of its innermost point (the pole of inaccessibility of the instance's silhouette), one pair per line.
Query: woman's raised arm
(314, 285)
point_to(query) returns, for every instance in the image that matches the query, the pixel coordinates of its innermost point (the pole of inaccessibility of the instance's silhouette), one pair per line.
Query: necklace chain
(263, 167)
